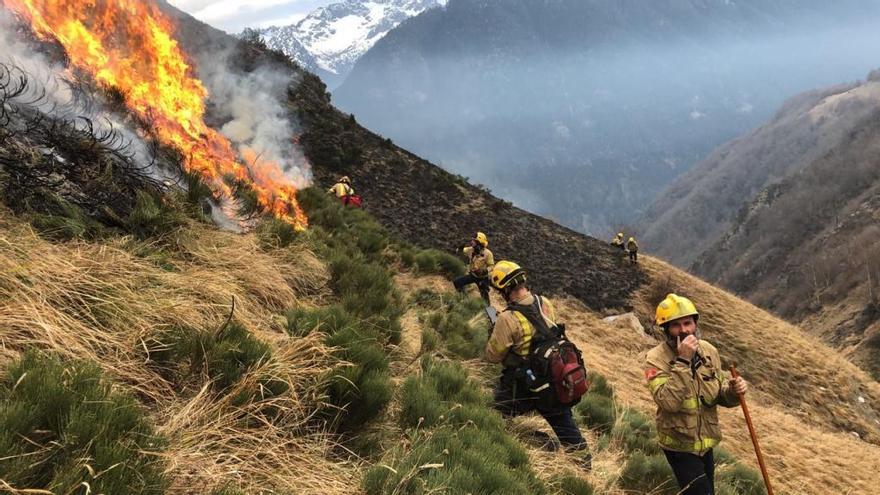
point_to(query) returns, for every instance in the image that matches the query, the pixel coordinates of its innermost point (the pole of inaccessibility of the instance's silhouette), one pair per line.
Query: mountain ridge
(330, 39)
(584, 111)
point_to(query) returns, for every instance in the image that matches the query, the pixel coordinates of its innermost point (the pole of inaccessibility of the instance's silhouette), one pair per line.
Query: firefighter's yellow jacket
(687, 399)
(481, 263)
(341, 189)
(512, 336)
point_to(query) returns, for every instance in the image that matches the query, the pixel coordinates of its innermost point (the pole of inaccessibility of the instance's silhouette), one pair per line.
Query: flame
(128, 44)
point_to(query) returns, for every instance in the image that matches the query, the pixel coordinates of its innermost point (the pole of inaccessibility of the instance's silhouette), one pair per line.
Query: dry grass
(263, 446)
(103, 303)
(806, 452)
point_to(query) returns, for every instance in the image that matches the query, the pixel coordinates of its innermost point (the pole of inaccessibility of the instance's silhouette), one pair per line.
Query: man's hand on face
(688, 347)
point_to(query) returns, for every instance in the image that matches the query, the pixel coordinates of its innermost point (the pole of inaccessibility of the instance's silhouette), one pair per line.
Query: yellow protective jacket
(479, 264)
(632, 246)
(687, 400)
(341, 189)
(512, 336)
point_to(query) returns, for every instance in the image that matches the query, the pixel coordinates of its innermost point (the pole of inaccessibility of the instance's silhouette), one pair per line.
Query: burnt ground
(432, 208)
(421, 203)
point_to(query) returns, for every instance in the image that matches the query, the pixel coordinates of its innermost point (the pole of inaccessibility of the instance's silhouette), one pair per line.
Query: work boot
(584, 459)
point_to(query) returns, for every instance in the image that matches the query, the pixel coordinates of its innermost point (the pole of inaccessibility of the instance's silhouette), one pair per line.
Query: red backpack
(556, 370)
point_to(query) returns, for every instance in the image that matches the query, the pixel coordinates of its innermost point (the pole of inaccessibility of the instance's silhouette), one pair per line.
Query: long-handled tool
(742, 401)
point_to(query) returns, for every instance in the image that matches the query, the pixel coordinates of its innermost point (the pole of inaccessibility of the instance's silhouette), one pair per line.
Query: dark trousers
(634, 256)
(482, 284)
(695, 474)
(513, 398)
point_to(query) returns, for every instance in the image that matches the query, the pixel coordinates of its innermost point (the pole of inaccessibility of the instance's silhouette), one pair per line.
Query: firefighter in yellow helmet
(687, 383)
(342, 189)
(480, 262)
(618, 241)
(632, 249)
(509, 344)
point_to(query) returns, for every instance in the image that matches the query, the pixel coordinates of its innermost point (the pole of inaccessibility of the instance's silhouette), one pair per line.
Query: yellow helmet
(632, 239)
(673, 308)
(345, 180)
(482, 239)
(505, 274)
(620, 234)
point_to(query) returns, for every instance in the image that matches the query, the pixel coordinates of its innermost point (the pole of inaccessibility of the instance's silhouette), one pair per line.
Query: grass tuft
(62, 425)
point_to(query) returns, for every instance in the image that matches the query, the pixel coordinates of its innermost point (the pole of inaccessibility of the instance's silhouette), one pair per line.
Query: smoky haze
(585, 111)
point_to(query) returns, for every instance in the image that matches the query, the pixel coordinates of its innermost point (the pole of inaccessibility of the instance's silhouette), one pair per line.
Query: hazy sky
(233, 15)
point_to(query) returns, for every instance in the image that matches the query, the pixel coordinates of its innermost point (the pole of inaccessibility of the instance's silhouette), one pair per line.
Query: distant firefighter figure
(632, 247)
(618, 241)
(480, 262)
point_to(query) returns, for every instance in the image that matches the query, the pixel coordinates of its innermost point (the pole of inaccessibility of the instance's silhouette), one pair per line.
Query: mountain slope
(786, 216)
(331, 39)
(584, 111)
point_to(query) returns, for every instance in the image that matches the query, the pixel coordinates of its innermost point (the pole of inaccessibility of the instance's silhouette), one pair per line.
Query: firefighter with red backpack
(543, 371)
(345, 193)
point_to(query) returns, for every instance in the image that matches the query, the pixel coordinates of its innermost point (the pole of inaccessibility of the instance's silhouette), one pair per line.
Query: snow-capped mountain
(331, 39)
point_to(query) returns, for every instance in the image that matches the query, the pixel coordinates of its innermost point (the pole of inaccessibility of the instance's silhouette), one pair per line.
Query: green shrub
(426, 298)
(636, 433)
(275, 233)
(225, 358)
(450, 265)
(738, 479)
(648, 473)
(600, 386)
(65, 222)
(597, 411)
(197, 190)
(426, 262)
(151, 217)
(359, 392)
(457, 460)
(57, 417)
(363, 287)
(420, 404)
(571, 484)
(407, 256)
(430, 340)
(330, 319)
(452, 322)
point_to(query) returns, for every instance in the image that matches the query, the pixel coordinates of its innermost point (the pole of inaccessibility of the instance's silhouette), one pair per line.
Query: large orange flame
(128, 44)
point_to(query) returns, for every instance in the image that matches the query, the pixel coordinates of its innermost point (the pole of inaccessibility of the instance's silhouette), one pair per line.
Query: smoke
(257, 117)
(53, 91)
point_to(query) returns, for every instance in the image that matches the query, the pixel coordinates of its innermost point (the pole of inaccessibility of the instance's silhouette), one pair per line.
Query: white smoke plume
(258, 120)
(50, 90)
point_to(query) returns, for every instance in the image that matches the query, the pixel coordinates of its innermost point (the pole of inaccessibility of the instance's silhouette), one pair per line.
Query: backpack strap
(533, 314)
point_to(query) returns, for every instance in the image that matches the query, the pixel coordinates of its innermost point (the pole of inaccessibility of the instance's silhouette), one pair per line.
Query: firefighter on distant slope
(632, 248)
(480, 262)
(343, 190)
(510, 343)
(686, 381)
(618, 241)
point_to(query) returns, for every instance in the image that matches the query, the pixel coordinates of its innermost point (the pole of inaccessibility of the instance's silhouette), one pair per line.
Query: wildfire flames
(128, 44)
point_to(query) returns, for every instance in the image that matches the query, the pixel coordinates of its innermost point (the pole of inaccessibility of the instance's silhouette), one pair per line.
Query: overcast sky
(234, 15)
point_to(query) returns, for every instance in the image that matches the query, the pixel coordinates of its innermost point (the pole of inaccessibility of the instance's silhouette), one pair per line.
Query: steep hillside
(145, 349)
(786, 217)
(585, 110)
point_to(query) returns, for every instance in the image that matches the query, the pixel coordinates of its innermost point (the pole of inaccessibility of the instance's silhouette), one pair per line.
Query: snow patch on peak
(333, 38)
